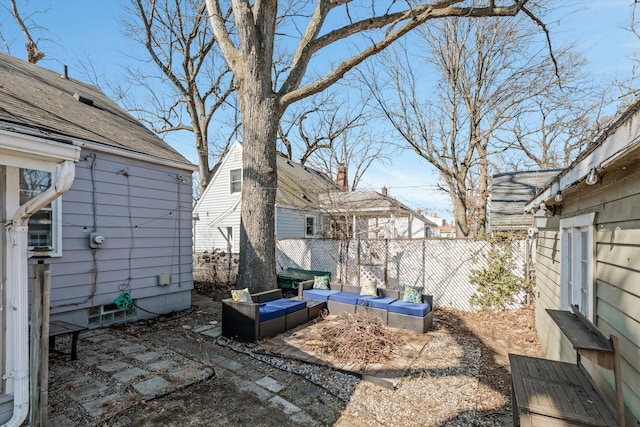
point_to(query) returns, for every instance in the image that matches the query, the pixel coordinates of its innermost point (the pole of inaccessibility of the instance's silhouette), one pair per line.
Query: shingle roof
(300, 186)
(42, 100)
(511, 191)
(363, 201)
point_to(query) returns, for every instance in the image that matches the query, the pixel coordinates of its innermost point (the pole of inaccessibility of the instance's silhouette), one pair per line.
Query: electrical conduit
(17, 292)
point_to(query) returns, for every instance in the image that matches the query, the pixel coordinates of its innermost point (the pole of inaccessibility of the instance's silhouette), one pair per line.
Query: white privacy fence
(442, 266)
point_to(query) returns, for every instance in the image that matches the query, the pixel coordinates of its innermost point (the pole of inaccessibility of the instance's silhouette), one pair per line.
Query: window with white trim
(576, 265)
(45, 225)
(235, 180)
(310, 226)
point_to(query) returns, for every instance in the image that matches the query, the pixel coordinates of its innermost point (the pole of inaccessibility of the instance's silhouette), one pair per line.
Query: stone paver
(190, 374)
(87, 390)
(134, 348)
(100, 406)
(287, 407)
(229, 364)
(152, 387)
(213, 333)
(138, 369)
(254, 388)
(129, 375)
(303, 419)
(162, 365)
(113, 366)
(270, 384)
(147, 356)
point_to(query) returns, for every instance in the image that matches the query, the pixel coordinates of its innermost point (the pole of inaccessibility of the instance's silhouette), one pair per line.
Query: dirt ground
(218, 402)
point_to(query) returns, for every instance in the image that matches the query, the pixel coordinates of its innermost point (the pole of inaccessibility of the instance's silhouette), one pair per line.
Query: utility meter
(95, 240)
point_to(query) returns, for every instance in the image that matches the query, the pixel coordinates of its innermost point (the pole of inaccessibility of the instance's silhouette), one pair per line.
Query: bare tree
(193, 83)
(34, 54)
(560, 121)
(485, 69)
(248, 45)
(332, 131)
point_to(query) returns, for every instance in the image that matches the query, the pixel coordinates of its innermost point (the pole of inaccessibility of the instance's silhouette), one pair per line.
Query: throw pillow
(321, 282)
(241, 295)
(413, 294)
(369, 288)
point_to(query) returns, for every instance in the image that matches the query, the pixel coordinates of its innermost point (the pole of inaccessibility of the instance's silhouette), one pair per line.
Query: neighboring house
(588, 251)
(123, 223)
(217, 213)
(510, 192)
(369, 214)
(308, 205)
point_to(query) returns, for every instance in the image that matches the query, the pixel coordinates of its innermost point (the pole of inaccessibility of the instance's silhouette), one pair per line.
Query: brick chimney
(384, 190)
(342, 177)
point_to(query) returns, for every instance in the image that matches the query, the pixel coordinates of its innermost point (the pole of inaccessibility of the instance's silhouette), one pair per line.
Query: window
(44, 226)
(576, 266)
(310, 226)
(235, 178)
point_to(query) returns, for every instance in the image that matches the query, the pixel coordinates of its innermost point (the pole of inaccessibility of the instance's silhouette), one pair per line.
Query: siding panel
(146, 220)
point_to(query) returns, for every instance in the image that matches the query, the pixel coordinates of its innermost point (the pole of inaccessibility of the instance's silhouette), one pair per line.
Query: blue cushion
(376, 302)
(345, 297)
(320, 294)
(409, 308)
(270, 311)
(290, 305)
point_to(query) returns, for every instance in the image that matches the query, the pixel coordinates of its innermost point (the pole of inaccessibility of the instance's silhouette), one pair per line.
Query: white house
(308, 205)
(217, 212)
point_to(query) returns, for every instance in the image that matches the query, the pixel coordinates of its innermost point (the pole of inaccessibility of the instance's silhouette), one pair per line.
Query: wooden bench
(552, 393)
(59, 327)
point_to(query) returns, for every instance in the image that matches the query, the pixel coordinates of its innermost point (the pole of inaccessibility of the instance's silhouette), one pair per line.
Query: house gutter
(17, 291)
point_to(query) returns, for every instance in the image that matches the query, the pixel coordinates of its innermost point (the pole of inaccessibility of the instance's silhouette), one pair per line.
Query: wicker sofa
(268, 315)
(388, 306)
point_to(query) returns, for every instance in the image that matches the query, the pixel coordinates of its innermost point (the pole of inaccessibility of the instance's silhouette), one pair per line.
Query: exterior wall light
(592, 177)
(558, 197)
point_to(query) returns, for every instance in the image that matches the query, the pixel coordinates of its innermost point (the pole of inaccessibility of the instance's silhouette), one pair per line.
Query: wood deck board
(578, 333)
(557, 390)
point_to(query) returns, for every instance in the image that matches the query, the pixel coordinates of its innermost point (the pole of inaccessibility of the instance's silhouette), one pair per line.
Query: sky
(81, 31)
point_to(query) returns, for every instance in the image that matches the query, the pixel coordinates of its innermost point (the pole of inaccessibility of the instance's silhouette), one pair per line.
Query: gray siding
(616, 202)
(144, 212)
(6, 408)
(291, 223)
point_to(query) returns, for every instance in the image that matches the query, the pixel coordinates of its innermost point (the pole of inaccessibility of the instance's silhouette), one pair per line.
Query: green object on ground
(290, 277)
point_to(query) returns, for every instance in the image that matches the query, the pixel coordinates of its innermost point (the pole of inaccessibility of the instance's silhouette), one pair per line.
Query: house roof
(300, 186)
(363, 201)
(511, 191)
(617, 143)
(41, 102)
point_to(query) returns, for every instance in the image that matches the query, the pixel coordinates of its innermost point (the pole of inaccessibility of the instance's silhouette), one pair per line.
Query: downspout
(17, 290)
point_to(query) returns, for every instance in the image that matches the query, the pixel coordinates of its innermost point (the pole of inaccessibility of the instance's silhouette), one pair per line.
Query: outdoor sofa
(267, 316)
(388, 305)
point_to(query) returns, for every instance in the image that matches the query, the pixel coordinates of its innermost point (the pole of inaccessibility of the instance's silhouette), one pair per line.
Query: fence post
(424, 261)
(386, 262)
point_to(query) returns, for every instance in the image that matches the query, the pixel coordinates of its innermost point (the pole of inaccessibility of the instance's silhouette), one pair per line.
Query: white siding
(219, 207)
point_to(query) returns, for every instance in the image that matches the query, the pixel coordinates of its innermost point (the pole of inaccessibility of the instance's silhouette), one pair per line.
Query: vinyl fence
(441, 266)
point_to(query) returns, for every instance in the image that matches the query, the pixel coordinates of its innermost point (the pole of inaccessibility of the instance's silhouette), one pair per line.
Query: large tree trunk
(259, 182)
